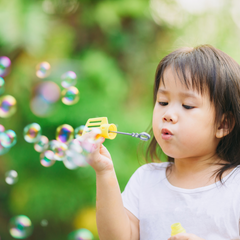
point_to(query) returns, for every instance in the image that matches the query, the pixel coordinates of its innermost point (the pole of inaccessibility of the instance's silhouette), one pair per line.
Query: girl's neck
(194, 172)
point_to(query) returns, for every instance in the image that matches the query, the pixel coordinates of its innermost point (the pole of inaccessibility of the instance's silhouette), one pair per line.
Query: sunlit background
(65, 61)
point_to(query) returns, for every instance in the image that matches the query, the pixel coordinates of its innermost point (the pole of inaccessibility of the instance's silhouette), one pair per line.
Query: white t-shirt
(210, 212)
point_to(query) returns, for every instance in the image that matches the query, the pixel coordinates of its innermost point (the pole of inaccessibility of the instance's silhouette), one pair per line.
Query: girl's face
(183, 120)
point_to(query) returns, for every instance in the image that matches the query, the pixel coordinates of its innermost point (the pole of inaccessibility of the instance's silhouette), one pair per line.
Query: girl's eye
(187, 107)
(163, 103)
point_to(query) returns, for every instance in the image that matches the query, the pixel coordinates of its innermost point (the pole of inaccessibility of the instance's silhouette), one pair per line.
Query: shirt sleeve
(131, 194)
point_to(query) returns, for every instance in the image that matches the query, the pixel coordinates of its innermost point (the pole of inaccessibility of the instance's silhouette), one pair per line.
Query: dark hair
(207, 68)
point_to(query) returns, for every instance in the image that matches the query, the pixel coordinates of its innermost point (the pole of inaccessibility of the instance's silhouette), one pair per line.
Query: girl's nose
(168, 118)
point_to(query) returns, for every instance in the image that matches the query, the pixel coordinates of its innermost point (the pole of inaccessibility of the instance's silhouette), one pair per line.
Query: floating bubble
(81, 234)
(75, 145)
(97, 135)
(2, 83)
(11, 177)
(5, 63)
(79, 131)
(68, 160)
(70, 95)
(42, 144)
(7, 106)
(20, 227)
(43, 69)
(8, 138)
(64, 133)
(47, 158)
(44, 223)
(49, 91)
(59, 149)
(32, 132)
(69, 79)
(2, 128)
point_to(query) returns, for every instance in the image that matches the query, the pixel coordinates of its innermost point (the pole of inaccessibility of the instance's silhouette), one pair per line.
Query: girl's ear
(224, 128)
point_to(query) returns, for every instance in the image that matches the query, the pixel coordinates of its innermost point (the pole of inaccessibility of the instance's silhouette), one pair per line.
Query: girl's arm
(114, 222)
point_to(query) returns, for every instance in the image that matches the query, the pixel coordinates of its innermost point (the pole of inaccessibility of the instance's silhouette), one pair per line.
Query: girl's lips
(166, 134)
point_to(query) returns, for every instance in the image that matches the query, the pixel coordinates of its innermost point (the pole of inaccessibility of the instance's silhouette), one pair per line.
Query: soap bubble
(79, 131)
(68, 160)
(32, 132)
(75, 145)
(81, 234)
(43, 69)
(47, 158)
(70, 95)
(69, 79)
(44, 223)
(8, 138)
(64, 133)
(42, 144)
(59, 149)
(3, 149)
(20, 227)
(5, 63)
(11, 177)
(2, 128)
(2, 83)
(7, 106)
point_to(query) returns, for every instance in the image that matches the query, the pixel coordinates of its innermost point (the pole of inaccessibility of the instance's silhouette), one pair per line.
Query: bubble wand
(109, 131)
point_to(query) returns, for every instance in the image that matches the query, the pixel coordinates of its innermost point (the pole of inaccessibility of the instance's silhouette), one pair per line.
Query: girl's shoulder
(152, 171)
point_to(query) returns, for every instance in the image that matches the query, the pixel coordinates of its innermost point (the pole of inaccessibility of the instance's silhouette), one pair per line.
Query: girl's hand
(185, 236)
(99, 157)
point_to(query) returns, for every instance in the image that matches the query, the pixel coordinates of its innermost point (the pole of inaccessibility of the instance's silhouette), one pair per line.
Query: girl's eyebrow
(184, 94)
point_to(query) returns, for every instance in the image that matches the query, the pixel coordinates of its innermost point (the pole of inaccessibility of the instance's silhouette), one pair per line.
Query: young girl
(196, 123)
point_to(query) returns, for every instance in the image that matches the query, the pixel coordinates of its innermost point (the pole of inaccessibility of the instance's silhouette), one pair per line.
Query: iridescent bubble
(70, 96)
(49, 91)
(5, 63)
(8, 138)
(20, 227)
(2, 83)
(69, 79)
(47, 158)
(68, 160)
(32, 132)
(44, 223)
(11, 177)
(64, 133)
(59, 149)
(42, 144)
(81, 234)
(43, 69)
(79, 131)
(7, 106)
(75, 145)
(2, 128)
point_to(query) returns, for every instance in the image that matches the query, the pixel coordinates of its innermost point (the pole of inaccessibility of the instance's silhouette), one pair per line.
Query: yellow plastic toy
(177, 228)
(103, 125)
(109, 131)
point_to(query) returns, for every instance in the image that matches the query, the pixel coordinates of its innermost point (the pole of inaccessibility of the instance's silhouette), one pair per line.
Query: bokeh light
(7, 106)
(64, 133)
(20, 227)
(43, 69)
(47, 158)
(44, 223)
(8, 138)
(11, 177)
(69, 79)
(44, 96)
(2, 83)
(70, 95)
(2, 128)
(32, 133)
(81, 234)
(42, 144)
(5, 63)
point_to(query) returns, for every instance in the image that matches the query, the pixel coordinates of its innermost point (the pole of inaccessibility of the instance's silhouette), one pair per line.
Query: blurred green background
(114, 48)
